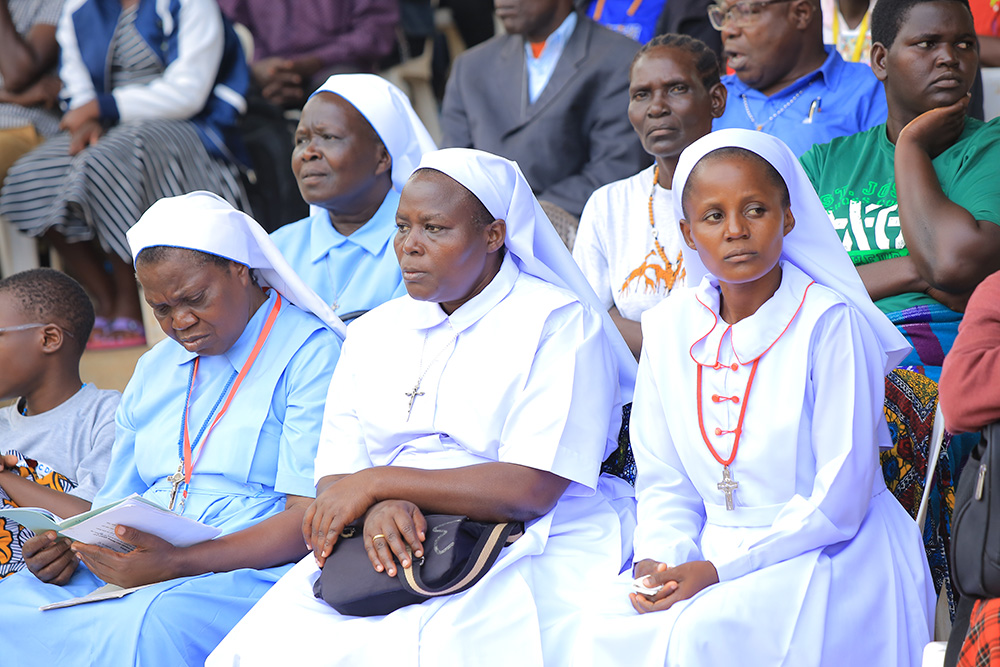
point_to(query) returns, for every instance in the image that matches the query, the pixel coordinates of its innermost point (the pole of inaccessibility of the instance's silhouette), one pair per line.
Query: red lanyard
(188, 461)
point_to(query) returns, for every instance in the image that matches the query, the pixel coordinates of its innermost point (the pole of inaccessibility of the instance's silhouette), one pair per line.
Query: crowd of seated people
(461, 331)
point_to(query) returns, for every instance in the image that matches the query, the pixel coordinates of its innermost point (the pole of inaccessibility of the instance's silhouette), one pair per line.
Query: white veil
(206, 222)
(812, 246)
(536, 247)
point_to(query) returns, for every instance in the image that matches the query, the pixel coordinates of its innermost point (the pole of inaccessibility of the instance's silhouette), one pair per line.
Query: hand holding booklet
(98, 525)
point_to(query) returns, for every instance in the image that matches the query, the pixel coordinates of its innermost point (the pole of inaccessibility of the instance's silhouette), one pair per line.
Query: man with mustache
(786, 82)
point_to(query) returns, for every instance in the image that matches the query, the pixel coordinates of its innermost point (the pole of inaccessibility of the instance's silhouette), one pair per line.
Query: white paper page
(136, 513)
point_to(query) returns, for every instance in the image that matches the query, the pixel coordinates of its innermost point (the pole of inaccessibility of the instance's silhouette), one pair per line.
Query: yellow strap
(859, 42)
(598, 10)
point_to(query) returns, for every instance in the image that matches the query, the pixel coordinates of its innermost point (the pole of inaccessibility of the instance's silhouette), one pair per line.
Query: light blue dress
(351, 273)
(253, 458)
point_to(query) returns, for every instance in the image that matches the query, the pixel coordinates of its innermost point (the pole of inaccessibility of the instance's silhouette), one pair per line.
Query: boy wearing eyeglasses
(55, 439)
(786, 82)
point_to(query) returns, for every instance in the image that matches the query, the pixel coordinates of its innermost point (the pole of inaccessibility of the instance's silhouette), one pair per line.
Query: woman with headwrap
(766, 535)
(356, 144)
(219, 423)
(494, 390)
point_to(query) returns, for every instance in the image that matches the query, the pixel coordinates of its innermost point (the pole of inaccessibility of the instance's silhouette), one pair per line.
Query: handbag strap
(485, 553)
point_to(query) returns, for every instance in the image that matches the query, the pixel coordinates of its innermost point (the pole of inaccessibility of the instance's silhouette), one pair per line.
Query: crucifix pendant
(412, 395)
(728, 486)
(175, 481)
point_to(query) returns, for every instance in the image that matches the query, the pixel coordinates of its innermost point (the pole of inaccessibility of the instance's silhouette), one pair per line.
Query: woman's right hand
(338, 504)
(390, 527)
(49, 558)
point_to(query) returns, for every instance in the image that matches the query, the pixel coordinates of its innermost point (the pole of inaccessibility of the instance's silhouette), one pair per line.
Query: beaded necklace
(760, 126)
(652, 222)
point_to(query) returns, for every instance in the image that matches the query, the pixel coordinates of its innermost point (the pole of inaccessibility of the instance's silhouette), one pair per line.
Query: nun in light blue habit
(247, 340)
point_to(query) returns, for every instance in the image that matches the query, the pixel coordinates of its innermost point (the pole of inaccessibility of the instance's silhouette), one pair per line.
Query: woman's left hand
(151, 561)
(391, 527)
(935, 130)
(679, 583)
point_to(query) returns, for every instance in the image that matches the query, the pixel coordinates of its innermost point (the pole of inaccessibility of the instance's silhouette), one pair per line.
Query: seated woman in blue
(356, 144)
(220, 422)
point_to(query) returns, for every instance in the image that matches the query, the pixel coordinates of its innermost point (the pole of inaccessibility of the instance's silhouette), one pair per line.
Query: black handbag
(457, 553)
(975, 541)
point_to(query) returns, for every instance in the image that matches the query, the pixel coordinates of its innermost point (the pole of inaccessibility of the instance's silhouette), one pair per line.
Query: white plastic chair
(937, 441)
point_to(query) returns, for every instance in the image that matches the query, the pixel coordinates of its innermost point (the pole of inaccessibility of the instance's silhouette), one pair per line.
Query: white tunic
(522, 373)
(615, 250)
(818, 563)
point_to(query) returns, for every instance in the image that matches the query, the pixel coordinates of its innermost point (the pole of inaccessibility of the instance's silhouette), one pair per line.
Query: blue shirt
(540, 69)
(838, 99)
(623, 16)
(351, 273)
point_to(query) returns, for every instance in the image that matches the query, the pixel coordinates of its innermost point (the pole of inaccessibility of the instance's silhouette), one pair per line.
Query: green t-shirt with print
(855, 180)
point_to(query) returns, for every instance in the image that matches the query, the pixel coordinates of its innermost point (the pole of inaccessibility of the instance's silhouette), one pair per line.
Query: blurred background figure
(299, 43)
(29, 86)
(549, 95)
(153, 97)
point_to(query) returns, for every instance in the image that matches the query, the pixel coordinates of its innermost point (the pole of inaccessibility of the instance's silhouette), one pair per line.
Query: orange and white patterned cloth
(13, 535)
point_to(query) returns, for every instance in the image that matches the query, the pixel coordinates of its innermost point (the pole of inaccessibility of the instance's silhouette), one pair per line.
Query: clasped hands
(393, 529)
(676, 583)
(54, 559)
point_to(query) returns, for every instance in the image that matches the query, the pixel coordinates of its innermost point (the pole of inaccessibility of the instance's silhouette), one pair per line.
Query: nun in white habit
(357, 142)
(219, 423)
(493, 389)
(815, 562)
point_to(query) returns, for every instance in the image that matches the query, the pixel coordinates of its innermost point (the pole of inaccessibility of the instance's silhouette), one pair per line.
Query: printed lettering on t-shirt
(867, 221)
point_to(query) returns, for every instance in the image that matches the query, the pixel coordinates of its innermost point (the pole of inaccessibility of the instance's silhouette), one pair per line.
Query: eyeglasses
(23, 327)
(741, 13)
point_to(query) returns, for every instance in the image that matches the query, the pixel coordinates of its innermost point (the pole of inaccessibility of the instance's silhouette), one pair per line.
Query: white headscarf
(388, 111)
(536, 247)
(206, 222)
(812, 245)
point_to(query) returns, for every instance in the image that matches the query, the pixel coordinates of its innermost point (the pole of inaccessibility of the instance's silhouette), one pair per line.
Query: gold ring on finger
(375, 537)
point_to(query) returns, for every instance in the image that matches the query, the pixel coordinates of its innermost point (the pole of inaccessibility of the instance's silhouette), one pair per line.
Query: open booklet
(98, 525)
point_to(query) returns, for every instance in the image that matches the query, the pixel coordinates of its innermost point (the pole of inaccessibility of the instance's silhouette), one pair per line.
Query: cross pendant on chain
(728, 485)
(412, 395)
(175, 481)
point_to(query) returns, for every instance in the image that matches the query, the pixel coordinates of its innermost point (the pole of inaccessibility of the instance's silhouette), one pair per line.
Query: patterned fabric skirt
(104, 189)
(931, 330)
(12, 535)
(910, 404)
(982, 643)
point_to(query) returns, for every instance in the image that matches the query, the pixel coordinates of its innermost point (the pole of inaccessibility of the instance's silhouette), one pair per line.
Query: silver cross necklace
(412, 395)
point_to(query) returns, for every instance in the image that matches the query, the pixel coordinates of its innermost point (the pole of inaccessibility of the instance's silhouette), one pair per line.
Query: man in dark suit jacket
(575, 136)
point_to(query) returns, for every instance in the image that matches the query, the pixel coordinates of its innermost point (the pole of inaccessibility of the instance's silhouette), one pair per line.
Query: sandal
(119, 333)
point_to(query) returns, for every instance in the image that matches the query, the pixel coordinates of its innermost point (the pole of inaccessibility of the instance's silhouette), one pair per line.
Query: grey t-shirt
(73, 438)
